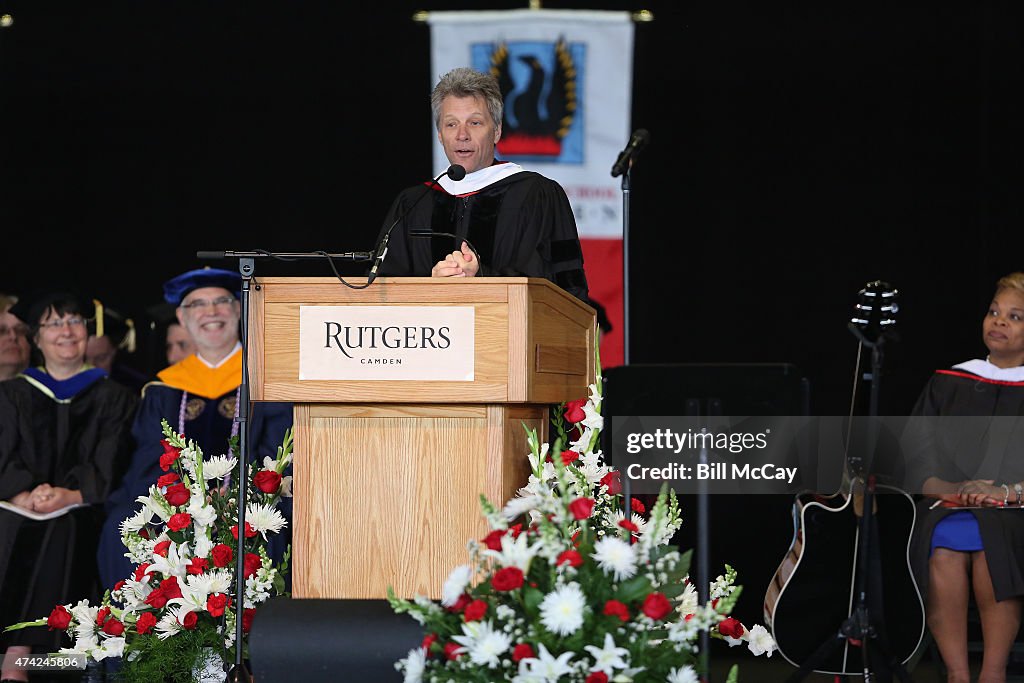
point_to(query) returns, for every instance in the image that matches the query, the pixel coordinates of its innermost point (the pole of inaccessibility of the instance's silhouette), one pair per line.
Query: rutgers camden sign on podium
(410, 398)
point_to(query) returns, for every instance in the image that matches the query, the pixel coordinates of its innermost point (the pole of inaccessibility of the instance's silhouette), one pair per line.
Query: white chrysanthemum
(519, 506)
(612, 518)
(615, 556)
(689, 600)
(609, 657)
(264, 518)
(413, 665)
(684, 675)
(543, 668)
(515, 552)
(218, 466)
(484, 645)
(561, 611)
(455, 585)
(759, 641)
(140, 519)
(168, 624)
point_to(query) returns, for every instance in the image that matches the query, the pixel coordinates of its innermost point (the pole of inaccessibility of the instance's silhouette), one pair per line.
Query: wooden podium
(388, 473)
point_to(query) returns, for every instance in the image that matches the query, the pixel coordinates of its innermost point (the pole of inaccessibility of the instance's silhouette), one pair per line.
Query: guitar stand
(859, 628)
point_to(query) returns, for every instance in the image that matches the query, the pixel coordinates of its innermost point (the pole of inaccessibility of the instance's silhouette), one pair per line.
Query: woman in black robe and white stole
(965, 453)
(65, 433)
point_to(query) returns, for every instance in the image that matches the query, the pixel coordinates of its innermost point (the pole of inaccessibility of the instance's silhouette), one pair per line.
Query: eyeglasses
(16, 330)
(219, 302)
(58, 324)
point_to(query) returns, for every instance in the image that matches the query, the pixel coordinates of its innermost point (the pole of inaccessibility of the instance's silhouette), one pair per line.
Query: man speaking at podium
(484, 217)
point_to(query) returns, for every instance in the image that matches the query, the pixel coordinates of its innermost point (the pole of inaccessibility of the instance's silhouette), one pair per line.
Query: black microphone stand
(239, 673)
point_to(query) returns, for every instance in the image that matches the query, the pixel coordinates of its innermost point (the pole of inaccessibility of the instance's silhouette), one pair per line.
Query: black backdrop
(799, 150)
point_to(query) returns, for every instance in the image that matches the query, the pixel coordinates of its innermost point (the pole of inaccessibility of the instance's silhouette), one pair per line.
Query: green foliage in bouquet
(567, 587)
(179, 607)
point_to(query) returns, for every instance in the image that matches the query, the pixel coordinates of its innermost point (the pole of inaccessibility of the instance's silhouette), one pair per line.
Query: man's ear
(497, 134)
(179, 313)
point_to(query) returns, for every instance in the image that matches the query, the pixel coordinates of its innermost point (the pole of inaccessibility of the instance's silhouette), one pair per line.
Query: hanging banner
(566, 76)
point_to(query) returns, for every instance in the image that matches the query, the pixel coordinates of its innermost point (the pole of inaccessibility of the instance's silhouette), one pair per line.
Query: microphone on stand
(455, 172)
(636, 143)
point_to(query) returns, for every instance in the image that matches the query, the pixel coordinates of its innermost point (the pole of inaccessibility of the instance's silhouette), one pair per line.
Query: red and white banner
(567, 80)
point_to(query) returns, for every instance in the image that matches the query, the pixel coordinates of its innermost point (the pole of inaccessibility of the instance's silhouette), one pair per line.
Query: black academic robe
(981, 436)
(521, 225)
(81, 443)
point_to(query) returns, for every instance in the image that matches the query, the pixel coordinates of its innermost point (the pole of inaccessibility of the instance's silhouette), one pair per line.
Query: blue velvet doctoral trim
(64, 389)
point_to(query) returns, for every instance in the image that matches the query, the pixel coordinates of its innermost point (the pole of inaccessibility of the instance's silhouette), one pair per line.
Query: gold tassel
(99, 317)
(128, 343)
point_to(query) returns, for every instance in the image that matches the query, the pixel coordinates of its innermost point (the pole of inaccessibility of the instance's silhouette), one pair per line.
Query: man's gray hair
(466, 82)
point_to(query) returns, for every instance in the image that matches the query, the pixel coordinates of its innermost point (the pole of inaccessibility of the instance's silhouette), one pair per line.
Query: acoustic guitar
(817, 587)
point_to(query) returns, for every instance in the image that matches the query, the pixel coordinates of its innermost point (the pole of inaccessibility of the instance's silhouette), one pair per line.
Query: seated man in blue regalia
(199, 398)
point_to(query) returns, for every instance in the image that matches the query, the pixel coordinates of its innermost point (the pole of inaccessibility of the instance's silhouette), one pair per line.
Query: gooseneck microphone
(637, 142)
(455, 172)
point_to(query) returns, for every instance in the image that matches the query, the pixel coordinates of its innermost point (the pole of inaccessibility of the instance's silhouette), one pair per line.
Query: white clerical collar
(478, 180)
(213, 366)
(983, 368)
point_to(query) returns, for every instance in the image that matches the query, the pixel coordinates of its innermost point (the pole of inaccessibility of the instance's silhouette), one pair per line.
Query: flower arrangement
(566, 587)
(176, 613)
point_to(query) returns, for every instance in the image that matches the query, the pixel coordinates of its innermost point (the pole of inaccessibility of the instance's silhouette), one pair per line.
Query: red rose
(507, 579)
(251, 564)
(179, 521)
(113, 627)
(216, 603)
(145, 623)
(656, 606)
(167, 479)
(581, 507)
(156, 599)
(197, 566)
(428, 640)
(59, 618)
(221, 555)
(247, 616)
(140, 571)
(450, 650)
(475, 611)
(161, 549)
(614, 608)
(569, 557)
(170, 587)
(613, 480)
(596, 677)
(170, 455)
(731, 627)
(189, 620)
(249, 531)
(626, 524)
(637, 505)
(569, 457)
(574, 410)
(267, 481)
(177, 495)
(460, 604)
(119, 585)
(493, 539)
(101, 615)
(522, 651)
(515, 530)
